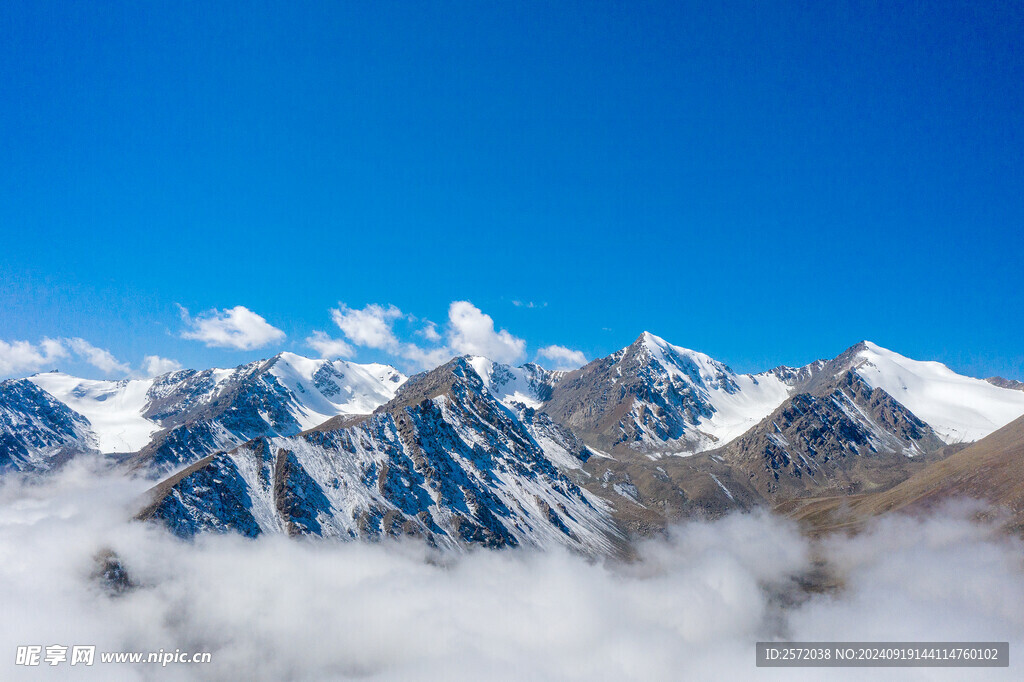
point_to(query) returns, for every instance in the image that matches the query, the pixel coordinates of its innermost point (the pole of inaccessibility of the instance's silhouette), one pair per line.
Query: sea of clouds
(690, 606)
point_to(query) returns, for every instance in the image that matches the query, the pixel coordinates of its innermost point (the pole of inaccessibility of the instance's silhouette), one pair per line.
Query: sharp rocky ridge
(476, 452)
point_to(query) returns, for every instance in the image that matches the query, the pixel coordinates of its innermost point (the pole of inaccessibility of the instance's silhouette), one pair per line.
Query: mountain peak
(651, 341)
(958, 407)
(658, 347)
(299, 363)
(873, 347)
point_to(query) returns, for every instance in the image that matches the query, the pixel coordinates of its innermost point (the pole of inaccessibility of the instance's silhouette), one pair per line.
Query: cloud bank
(422, 346)
(691, 606)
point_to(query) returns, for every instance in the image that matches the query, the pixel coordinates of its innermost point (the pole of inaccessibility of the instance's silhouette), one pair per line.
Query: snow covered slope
(190, 412)
(655, 397)
(114, 408)
(444, 461)
(36, 429)
(958, 408)
(211, 410)
(325, 389)
(529, 385)
(736, 401)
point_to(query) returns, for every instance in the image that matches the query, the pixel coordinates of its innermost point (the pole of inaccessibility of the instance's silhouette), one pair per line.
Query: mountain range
(475, 452)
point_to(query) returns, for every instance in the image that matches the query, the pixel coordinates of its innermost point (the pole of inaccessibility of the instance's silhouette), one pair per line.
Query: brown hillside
(991, 470)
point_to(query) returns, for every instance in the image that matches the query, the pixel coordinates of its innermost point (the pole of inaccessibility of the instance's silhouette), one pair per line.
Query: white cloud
(528, 304)
(237, 328)
(329, 347)
(370, 327)
(53, 348)
(100, 358)
(154, 365)
(429, 332)
(692, 604)
(469, 331)
(22, 356)
(564, 358)
(472, 332)
(373, 327)
(425, 358)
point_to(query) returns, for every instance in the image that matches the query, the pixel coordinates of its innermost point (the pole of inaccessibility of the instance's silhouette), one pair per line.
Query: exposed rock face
(845, 436)
(209, 495)
(282, 396)
(652, 397)
(830, 432)
(991, 470)
(110, 573)
(201, 419)
(163, 423)
(1012, 384)
(444, 460)
(37, 431)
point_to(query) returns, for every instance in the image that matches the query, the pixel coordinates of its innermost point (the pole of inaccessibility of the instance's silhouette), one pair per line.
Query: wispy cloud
(429, 332)
(238, 328)
(562, 357)
(371, 327)
(18, 357)
(100, 358)
(329, 347)
(468, 331)
(154, 365)
(528, 304)
(23, 356)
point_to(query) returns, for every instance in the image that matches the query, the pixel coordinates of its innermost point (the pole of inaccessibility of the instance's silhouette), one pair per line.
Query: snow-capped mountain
(478, 452)
(444, 460)
(829, 427)
(842, 435)
(37, 430)
(182, 416)
(960, 409)
(866, 420)
(654, 397)
(217, 410)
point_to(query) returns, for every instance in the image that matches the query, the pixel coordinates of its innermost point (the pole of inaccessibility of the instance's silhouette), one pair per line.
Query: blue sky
(765, 182)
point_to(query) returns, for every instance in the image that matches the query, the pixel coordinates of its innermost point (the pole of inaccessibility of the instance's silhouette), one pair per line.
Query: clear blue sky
(767, 182)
